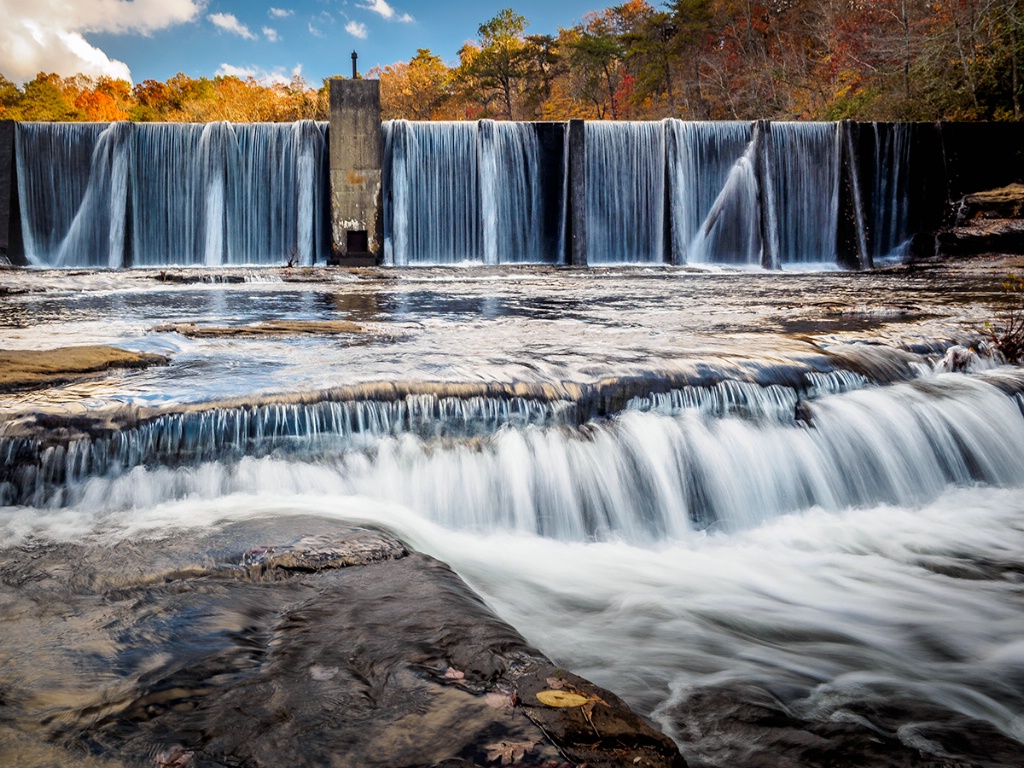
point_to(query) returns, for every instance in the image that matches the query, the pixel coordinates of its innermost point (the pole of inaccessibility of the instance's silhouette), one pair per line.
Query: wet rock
(268, 328)
(1003, 203)
(601, 732)
(36, 369)
(256, 645)
(986, 222)
(746, 726)
(985, 236)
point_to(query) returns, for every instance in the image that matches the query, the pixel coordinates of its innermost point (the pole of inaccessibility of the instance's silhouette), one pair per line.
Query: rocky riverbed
(777, 514)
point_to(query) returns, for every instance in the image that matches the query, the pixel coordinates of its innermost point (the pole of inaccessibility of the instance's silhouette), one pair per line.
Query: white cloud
(280, 13)
(315, 31)
(271, 34)
(229, 23)
(48, 35)
(357, 29)
(276, 76)
(383, 8)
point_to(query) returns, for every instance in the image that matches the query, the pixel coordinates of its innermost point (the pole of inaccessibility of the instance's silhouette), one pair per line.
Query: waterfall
(890, 221)
(714, 202)
(804, 161)
(625, 178)
(462, 191)
(489, 192)
(96, 195)
(726, 457)
(65, 192)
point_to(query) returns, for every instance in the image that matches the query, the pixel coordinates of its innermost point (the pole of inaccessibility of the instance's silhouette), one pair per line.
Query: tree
(416, 90)
(499, 65)
(10, 100)
(44, 100)
(598, 52)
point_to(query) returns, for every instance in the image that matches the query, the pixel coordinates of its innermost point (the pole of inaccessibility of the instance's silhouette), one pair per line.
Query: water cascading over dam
(655, 192)
(120, 194)
(488, 192)
(462, 192)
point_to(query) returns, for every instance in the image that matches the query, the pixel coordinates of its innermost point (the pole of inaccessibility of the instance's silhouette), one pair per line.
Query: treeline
(694, 59)
(731, 59)
(50, 98)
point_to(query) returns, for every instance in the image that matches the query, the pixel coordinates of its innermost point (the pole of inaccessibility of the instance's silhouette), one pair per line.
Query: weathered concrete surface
(280, 642)
(10, 237)
(979, 156)
(34, 369)
(577, 193)
(356, 155)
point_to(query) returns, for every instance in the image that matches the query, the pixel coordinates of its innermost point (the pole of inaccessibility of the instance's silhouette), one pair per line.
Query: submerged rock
(744, 725)
(337, 647)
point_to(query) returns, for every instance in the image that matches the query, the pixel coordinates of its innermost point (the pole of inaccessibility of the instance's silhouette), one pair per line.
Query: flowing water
(715, 203)
(680, 484)
(625, 187)
(485, 192)
(462, 192)
(95, 195)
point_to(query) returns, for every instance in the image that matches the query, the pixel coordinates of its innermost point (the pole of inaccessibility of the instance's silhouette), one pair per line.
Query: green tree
(501, 63)
(598, 52)
(688, 27)
(44, 100)
(10, 100)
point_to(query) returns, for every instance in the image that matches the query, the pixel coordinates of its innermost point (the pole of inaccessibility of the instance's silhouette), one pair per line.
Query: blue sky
(154, 39)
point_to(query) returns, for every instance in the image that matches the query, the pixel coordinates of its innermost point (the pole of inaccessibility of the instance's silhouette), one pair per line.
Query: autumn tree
(414, 90)
(44, 101)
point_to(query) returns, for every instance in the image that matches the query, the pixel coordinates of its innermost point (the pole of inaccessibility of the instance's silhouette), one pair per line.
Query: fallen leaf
(508, 751)
(553, 698)
(556, 682)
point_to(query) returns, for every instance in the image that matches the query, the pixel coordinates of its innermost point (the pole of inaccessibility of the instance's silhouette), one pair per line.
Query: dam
(358, 191)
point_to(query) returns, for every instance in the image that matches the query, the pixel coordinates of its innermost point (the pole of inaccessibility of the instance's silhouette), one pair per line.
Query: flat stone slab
(284, 642)
(269, 328)
(983, 236)
(1003, 203)
(36, 369)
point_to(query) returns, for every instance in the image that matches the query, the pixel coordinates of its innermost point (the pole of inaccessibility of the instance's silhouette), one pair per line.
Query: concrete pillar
(770, 244)
(10, 223)
(577, 193)
(357, 221)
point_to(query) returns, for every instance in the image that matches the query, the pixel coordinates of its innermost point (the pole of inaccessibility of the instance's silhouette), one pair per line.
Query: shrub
(1007, 333)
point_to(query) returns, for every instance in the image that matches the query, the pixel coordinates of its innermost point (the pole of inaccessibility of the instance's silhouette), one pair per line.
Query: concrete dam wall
(357, 191)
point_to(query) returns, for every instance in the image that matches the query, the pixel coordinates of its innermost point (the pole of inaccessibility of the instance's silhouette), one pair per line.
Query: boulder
(254, 645)
(1003, 203)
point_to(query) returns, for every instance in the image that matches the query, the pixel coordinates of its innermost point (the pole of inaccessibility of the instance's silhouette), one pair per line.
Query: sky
(271, 40)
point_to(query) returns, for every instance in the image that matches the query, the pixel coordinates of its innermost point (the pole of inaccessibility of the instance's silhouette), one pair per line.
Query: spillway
(486, 192)
(96, 195)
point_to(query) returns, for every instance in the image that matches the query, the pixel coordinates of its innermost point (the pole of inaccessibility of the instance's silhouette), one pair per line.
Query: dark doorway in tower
(357, 241)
